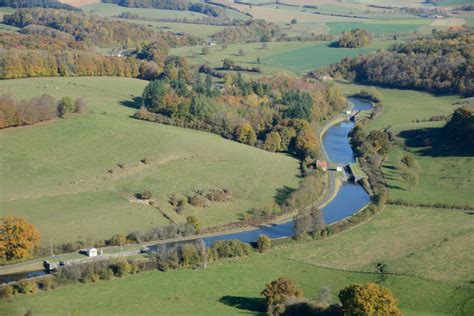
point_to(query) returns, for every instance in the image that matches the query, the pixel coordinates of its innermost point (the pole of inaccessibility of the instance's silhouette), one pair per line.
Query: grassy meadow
(289, 57)
(437, 251)
(231, 287)
(64, 177)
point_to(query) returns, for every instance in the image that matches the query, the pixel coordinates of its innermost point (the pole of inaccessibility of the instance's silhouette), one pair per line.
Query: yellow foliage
(18, 238)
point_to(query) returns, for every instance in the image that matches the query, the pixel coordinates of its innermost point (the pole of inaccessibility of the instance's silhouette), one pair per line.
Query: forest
(440, 63)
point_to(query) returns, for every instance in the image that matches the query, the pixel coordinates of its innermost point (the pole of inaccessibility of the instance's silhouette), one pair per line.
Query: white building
(92, 252)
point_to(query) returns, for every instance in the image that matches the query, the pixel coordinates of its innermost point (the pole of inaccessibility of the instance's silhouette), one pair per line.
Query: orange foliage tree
(18, 238)
(368, 299)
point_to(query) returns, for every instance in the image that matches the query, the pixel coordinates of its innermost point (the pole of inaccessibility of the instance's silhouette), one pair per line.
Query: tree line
(38, 109)
(91, 29)
(42, 50)
(37, 3)
(440, 63)
(181, 5)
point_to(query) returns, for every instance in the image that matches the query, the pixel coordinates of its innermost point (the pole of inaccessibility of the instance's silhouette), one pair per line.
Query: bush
(6, 291)
(229, 249)
(106, 274)
(198, 201)
(65, 106)
(27, 287)
(79, 105)
(145, 195)
(47, 283)
(121, 268)
(263, 243)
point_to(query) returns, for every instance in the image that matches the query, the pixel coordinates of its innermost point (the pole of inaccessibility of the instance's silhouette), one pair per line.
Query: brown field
(279, 15)
(79, 3)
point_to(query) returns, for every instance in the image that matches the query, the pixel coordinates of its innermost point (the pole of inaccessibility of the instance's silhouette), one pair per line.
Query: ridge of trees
(440, 63)
(37, 3)
(91, 29)
(181, 5)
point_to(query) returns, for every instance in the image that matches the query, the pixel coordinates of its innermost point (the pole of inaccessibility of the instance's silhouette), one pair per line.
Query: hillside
(50, 171)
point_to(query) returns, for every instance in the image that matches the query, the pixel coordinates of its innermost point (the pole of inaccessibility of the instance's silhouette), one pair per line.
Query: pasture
(232, 287)
(439, 250)
(64, 176)
(290, 57)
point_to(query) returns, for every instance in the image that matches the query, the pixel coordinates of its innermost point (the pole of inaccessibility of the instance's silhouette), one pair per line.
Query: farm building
(92, 252)
(323, 165)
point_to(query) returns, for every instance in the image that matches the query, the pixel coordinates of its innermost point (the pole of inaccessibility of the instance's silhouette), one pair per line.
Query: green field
(56, 174)
(290, 57)
(318, 55)
(228, 288)
(439, 250)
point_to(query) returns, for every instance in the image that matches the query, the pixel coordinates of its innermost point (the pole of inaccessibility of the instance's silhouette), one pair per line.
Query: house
(323, 165)
(92, 252)
(339, 168)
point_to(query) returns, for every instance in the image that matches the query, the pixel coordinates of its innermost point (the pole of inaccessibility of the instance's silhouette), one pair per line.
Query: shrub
(106, 274)
(79, 105)
(6, 291)
(145, 195)
(263, 243)
(205, 50)
(65, 106)
(198, 201)
(118, 240)
(27, 287)
(47, 283)
(229, 249)
(121, 268)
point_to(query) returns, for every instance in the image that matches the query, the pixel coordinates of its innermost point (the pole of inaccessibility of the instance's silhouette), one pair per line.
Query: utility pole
(51, 245)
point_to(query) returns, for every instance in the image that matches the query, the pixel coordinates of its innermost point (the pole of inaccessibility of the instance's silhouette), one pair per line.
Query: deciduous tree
(18, 238)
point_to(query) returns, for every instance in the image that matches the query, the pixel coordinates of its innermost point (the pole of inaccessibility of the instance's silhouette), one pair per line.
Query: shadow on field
(133, 103)
(254, 304)
(435, 143)
(282, 194)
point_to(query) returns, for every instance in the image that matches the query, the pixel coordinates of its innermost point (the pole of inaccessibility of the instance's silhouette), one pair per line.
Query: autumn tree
(272, 142)
(263, 243)
(277, 292)
(368, 299)
(18, 238)
(244, 133)
(355, 38)
(192, 220)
